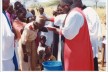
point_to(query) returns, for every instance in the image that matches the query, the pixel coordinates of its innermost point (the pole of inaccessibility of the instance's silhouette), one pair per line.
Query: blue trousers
(15, 61)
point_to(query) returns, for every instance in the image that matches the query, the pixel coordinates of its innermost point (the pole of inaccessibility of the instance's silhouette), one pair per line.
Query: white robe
(7, 45)
(94, 26)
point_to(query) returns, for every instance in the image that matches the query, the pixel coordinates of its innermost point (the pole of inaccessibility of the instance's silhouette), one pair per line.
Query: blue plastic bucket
(52, 66)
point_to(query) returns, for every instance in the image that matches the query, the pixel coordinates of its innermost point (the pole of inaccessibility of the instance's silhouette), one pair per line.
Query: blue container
(52, 66)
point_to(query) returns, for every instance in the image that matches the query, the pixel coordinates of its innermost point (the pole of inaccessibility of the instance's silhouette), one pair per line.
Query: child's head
(40, 21)
(42, 40)
(41, 10)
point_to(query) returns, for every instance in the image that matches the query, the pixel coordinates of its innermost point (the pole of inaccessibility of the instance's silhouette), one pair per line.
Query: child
(44, 52)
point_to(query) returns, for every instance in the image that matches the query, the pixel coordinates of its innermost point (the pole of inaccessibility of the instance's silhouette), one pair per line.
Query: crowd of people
(70, 36)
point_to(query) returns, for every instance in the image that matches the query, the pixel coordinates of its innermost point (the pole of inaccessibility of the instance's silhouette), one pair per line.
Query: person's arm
(73, 24)
(54, 29)
(25, 53)
(47, 19)
(43, 29)
(51, 19)
(24, 41)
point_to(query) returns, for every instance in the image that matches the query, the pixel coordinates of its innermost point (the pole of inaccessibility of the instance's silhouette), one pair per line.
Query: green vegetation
(45, 4)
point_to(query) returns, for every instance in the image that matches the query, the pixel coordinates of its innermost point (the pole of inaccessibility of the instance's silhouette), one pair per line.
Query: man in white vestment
(7, 40)
(94, 26)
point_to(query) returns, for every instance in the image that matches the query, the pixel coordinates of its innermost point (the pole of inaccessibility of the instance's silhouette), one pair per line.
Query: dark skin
(34, 16)
(42, 41)
(59, 10)
(24, 46)
(41, 10)
(47, 49)
(35, 27)
(47, 53)
(10, 9)
(21, 15)
(55, 13)
(33, 12)
(5, 4)
(75, 3)
(17, 5)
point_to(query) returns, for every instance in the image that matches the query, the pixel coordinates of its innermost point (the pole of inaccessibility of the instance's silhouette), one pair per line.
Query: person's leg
(103, 54)
(8, 65)
(96, 64)
(34, 56)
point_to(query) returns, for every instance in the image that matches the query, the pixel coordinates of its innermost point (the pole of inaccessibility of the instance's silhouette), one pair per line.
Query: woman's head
(17, 5)
(65, 5)
(59, 10)
(21, 13)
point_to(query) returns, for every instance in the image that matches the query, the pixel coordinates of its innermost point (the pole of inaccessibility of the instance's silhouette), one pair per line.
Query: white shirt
(73, 23)
(94, 26)
(7, 40)
(59, 19)
(28, 35)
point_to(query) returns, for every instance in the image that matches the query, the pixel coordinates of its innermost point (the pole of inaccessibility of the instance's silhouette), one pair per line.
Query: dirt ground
(101, 68)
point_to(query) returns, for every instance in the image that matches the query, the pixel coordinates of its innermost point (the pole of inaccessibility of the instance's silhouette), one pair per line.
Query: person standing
(94, 26)
(7, 40)
(28, 47)
(77, 52)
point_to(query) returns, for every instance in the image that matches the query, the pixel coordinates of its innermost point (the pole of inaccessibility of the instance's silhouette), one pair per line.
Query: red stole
(78, 53)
